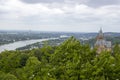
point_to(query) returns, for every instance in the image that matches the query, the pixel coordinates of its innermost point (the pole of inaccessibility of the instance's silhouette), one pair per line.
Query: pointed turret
(100, 34)
(101, 44)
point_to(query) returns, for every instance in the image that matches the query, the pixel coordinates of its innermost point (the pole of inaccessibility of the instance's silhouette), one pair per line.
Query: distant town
(100, 39)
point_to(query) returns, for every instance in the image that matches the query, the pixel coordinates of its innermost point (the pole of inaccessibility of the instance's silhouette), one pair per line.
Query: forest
(70, 60)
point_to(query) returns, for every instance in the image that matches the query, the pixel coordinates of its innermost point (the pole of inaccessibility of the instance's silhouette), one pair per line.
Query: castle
(101, 44)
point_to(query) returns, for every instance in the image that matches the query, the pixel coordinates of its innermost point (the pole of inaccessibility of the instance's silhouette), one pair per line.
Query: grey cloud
(97, 3)
(2, 12)
(42, 1)
(17, 15)
(92, 3)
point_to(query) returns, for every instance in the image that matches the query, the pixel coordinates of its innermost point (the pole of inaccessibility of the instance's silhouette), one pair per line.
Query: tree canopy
(71, 60)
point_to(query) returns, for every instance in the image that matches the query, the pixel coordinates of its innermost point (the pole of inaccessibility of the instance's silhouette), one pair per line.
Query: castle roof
(101, 41)
(100, 34)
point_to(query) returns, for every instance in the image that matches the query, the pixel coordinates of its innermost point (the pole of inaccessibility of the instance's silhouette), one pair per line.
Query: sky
(60, 15)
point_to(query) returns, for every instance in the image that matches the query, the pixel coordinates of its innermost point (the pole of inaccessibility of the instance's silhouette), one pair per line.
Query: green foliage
(7, 76)
(69, 61)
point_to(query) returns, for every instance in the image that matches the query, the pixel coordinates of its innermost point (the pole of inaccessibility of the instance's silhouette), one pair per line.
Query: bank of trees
(68, 61)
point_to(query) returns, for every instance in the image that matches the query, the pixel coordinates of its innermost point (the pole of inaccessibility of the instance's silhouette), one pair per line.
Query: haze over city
(60, 15)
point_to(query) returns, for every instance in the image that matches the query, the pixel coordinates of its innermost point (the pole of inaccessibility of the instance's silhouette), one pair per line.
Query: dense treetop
(68, 61)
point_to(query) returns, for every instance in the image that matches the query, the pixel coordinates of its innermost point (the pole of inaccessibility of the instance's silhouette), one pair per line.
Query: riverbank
(15, 45)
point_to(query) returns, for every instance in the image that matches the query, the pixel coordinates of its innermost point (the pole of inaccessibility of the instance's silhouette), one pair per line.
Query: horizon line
(60, 31)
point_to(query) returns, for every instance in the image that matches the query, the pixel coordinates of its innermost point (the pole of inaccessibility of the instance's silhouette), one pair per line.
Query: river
(18, 44)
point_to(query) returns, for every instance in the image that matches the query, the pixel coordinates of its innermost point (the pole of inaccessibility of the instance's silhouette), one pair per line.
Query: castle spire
(100, 34)
(100, 30)
(101, 44)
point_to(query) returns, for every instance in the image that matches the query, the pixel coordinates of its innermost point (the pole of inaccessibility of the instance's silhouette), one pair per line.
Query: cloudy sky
(60, 15)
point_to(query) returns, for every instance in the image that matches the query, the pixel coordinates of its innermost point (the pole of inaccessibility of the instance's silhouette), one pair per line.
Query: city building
(101, 44)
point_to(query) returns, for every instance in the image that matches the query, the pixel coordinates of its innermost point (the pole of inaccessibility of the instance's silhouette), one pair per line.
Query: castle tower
(100, 35)
(101, 44)
(100, 39)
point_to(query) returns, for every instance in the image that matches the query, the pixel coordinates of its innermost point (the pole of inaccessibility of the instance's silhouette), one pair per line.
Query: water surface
(18, 44)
